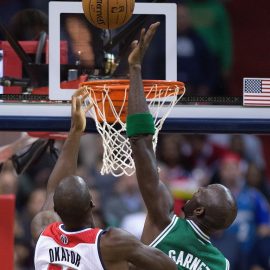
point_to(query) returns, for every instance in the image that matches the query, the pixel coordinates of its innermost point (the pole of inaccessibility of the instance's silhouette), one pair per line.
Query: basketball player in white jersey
(64, 230)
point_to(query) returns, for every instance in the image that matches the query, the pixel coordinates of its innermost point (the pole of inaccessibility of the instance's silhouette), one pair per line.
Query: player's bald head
(214, 206)
(72, 201)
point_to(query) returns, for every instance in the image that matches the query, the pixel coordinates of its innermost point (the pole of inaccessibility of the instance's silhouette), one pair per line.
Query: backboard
(54, 115)
(59, 15)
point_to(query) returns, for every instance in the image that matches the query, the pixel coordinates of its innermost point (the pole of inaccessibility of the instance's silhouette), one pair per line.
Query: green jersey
(184, 242)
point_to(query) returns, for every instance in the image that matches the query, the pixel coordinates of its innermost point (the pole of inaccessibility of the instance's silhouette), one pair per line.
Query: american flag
(256, 92)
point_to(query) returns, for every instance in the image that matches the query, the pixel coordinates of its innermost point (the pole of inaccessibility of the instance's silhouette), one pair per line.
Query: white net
(117, 155)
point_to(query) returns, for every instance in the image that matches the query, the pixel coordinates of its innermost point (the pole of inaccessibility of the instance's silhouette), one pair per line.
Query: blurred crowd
(186, 162)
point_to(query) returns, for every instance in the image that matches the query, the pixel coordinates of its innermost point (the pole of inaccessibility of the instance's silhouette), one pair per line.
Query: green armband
(140, 123)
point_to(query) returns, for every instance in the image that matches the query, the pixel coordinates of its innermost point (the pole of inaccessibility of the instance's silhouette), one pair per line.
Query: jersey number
(56, 267)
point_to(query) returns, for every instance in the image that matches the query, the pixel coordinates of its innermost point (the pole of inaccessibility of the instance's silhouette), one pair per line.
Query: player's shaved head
(72, 202)
(214, 207)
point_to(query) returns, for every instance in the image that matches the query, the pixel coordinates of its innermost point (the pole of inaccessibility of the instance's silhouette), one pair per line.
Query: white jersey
(58, 249)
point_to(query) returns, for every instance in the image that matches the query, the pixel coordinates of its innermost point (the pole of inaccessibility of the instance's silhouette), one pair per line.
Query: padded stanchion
(7, 210)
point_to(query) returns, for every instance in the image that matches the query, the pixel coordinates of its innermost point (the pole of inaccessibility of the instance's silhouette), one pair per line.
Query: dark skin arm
(119, 248)
(66, 165)
(155, 194)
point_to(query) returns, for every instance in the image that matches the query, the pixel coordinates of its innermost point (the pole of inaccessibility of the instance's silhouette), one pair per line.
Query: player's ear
(199, 211)
(92, 205)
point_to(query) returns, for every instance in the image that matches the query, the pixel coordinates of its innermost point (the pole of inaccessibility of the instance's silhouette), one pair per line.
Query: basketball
(108, 14)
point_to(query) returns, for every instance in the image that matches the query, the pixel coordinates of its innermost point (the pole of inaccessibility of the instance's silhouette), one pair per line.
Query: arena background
(186, 160)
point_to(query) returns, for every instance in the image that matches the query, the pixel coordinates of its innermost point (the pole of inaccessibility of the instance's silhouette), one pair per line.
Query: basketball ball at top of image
(108, 14)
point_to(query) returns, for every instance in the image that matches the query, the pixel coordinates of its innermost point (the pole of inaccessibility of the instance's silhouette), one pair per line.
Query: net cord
(117, 159)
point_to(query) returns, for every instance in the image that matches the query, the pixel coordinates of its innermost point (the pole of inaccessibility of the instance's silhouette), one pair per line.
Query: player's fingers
(78, 103)
(134, 44)
(88, 107)
(84, 95)
(73, 104)
(82, 92)
(155, 25)
(78, 92)
(151, 32)
(142, 36)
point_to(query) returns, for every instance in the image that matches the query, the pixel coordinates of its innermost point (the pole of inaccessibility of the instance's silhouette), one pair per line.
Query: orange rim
(118, 87)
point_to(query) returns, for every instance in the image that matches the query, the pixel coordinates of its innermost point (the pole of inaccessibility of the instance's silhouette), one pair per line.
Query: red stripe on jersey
(70, 240)
(54, 267)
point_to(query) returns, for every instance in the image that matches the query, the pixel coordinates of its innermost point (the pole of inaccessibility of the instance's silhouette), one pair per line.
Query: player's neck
(78, 227)
(201, 225)
(74, 229)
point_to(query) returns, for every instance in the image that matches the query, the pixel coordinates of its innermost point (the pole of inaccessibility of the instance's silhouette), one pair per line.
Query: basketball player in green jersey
(211, 208)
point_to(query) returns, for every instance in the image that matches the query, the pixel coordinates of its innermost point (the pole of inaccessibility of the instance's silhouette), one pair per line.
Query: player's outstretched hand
(139, 47)
(78, 118)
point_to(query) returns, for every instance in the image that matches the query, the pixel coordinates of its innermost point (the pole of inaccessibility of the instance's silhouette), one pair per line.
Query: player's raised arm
(140, 130)
(66, 165)
(120, 246)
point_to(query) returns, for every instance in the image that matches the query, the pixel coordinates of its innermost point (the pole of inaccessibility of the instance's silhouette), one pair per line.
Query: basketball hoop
(109, 100)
